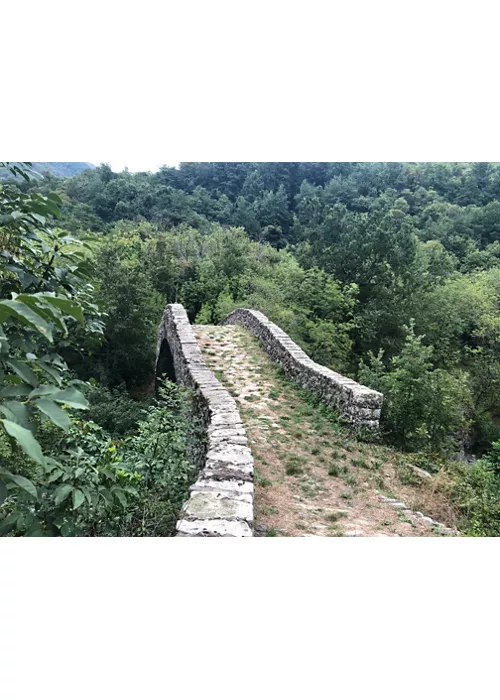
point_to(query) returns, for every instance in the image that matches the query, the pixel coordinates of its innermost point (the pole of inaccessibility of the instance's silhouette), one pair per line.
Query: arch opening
(165, 363)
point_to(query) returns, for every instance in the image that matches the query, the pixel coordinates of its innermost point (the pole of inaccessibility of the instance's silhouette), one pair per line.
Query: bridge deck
(312, 478)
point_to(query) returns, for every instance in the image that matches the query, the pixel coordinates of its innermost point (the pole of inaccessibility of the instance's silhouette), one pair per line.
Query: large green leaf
(67, 306)
(7, 413)
(62, 492)
(25, 484)
(12, 307)
(51, 464)
(24, 371)
(15, 390)
(18, 412)
(56, 414)
(72, 397)
(55, 476)
(25, 440)
(119, 494)
(44, 390)
(50, 313)
(50, 371)
(78, 498)
(106, 495)
(88, 495)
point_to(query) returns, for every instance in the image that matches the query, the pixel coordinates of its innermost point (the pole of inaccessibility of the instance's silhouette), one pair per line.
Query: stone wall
(221, 499)
(360, 405)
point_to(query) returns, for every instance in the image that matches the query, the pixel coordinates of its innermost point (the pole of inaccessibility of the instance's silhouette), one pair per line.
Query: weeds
(337, 515)
(359, 462)
(351, 480)
(292, 468)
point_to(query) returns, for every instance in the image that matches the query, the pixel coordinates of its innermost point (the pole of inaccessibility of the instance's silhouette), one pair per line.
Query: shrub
(424, 408)
(477, 492)
(104, 487)
(114, 410)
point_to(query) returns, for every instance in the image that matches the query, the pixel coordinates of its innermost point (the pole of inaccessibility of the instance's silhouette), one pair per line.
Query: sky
(200, 81)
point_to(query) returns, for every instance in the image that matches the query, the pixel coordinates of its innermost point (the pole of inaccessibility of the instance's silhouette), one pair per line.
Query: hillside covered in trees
(56, 169)
(386, 272)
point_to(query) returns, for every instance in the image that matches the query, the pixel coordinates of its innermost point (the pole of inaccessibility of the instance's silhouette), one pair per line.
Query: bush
(477, 492)
(159, 452)
(114, 410)
(73, 496)
(424, 408)
(102, 487)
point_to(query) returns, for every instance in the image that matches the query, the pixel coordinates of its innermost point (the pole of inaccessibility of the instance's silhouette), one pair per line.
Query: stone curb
(400, 505)
(221, 499)
(360, 405)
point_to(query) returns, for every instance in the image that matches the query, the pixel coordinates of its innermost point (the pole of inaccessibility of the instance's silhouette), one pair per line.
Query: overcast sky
(146, 84)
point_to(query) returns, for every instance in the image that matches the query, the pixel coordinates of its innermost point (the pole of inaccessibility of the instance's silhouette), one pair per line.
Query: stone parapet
(360, 405)
(221, 499)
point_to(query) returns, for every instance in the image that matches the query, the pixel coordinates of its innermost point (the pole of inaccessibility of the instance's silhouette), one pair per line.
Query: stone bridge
(221, 499)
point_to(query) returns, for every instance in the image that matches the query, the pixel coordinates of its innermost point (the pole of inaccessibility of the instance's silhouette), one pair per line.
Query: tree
(424, 407)
(274, 216)
(133, 310)
(42, 277)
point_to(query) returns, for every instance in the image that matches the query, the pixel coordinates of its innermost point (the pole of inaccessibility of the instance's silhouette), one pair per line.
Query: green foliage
(59, 477)
(92, 485)
(133, 310)
(423, 406)
(114, 410)
(41, 274)
(78, 485)
(462, 321)
(158, 457)
(477, 491)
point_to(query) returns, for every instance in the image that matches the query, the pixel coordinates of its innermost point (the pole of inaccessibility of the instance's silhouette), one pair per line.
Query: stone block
(214, 505)
(213, 528)
(239, 489)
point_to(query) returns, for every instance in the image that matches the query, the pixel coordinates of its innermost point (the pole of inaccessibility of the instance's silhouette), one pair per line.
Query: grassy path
(312, 477)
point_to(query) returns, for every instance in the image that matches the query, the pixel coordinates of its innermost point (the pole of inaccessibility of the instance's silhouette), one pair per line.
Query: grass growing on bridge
(309, 464)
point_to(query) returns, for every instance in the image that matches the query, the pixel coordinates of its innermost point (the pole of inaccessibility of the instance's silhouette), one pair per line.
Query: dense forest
(386, 272)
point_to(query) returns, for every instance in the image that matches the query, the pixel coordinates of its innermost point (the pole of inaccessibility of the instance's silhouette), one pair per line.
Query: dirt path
(312, 477)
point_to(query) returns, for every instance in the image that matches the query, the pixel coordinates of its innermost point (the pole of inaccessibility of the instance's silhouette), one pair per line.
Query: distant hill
(55, 169)
(62, 169)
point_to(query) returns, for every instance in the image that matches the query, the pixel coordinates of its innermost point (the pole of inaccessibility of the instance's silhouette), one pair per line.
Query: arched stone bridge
(221, 499)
